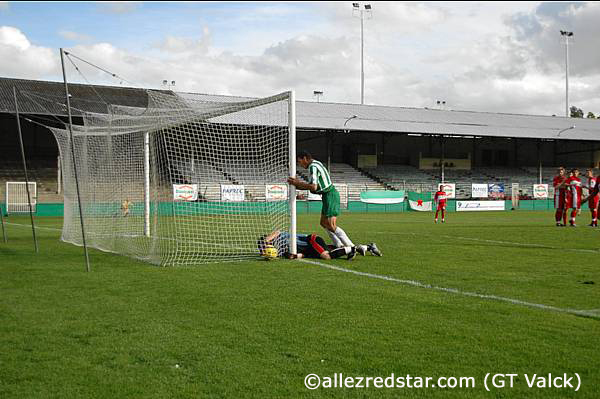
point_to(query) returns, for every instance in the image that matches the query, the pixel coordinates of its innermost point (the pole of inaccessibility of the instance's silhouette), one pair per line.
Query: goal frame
(20, 206)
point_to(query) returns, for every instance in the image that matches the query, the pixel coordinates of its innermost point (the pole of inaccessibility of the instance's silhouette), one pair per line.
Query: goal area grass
(490, 292)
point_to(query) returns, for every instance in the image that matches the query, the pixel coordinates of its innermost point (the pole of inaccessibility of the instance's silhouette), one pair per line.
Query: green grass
(256, 329)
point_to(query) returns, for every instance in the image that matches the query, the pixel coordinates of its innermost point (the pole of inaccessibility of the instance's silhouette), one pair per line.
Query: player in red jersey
(574, 196)
(593, 198)
(560, 195)
(440, 199)
(568, 197)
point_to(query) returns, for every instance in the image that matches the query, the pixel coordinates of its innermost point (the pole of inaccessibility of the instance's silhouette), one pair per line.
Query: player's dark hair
(304, 154)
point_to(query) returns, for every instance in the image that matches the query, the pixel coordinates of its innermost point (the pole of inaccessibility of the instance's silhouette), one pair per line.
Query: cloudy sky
(487, 56)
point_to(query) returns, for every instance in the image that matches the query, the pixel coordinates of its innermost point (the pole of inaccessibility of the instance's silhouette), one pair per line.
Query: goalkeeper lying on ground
(309, 246)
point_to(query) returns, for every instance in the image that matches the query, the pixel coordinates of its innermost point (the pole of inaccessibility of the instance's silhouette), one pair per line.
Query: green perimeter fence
(56, 209)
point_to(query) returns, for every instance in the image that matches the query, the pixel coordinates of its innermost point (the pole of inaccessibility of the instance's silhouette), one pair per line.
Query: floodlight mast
(168, 84)
(359, 12)
(566, 35)
(318, 94)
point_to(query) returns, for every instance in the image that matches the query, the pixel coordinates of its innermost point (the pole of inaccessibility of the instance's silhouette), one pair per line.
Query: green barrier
(532, 205)
(450, 206)
(218, 208)
(49, 209)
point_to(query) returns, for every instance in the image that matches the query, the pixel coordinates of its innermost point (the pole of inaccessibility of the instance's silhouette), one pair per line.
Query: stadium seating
(382, 177)
(357, 181)
(406, 177)
(41, 172)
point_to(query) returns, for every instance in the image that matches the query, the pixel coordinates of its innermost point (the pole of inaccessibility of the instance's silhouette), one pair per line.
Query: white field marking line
(29, 225)
(519, 244)
(585, 313)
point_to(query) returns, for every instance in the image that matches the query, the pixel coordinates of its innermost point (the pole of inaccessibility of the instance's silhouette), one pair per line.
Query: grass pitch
(256, 329)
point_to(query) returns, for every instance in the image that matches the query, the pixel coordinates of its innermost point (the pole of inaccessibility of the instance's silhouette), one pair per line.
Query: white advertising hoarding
(449, 189)
(540, 191)
(463, 206)
(233, 192)
(479, 190)
(276, 192)
(185, 192)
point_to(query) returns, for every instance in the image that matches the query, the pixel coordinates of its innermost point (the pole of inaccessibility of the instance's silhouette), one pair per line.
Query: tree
(576, 112)
(590, 115)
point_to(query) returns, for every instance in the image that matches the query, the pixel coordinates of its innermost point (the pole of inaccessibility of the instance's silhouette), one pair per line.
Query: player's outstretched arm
(301, 185)
(269, 239)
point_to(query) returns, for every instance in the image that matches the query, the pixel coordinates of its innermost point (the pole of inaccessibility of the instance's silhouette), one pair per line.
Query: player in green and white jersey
(319, 182)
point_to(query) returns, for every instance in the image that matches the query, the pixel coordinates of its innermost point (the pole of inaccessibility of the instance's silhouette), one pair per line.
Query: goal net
(181, 182)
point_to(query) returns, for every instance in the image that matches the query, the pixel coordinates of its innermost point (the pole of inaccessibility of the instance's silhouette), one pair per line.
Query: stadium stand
(356, 180)
(210, 177)
(403, 177)
(40, 172)
(409, 178)
(360, 123)
(383, 177)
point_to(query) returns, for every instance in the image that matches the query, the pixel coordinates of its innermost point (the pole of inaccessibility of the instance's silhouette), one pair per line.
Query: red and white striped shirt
(440, 196)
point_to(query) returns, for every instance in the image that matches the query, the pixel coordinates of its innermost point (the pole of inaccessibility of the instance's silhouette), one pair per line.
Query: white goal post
(16, 197)
(150, 179)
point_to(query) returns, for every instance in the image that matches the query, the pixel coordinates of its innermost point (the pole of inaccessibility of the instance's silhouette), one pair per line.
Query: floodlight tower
(365, 11)
(566, 35)
(318, 94)
(168, 84)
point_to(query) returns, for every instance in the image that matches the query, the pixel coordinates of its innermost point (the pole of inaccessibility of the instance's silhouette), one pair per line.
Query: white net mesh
(214, 154)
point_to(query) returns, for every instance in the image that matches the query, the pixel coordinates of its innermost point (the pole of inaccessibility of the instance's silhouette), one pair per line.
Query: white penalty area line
(585, 313)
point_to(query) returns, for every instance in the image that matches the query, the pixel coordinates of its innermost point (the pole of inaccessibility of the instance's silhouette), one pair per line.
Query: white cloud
(13, 37)
(186, 45)
(19, 58)
(74, 36)
(495, 57)
(120, 7)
